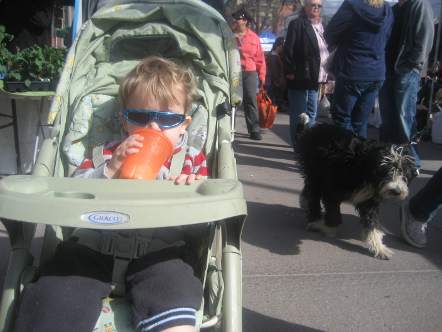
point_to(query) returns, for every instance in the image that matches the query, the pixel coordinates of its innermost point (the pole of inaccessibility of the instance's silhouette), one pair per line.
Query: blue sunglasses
(164, 120)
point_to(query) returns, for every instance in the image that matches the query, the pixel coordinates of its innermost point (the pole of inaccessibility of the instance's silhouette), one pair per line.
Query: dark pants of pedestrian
(250, 87)
(352, 103)
(161, 288)
(425, 203)
(397, 103)
(277, 95)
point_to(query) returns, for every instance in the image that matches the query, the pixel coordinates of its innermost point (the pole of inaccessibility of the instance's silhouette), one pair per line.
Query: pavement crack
(320, 274)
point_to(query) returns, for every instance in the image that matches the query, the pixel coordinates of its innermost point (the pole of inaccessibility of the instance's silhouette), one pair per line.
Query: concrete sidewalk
(294, 280)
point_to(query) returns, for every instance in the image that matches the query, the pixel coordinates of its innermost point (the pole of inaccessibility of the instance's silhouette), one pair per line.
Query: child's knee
(166, 294)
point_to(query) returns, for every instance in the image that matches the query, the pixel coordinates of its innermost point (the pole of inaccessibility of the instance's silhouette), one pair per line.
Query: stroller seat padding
(95, 121)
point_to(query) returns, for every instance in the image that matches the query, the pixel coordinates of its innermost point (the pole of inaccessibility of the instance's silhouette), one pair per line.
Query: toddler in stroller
(162, 289)
(83, 117)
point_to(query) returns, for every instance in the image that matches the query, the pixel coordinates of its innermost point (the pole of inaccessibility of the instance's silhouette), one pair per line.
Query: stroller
(83, 115)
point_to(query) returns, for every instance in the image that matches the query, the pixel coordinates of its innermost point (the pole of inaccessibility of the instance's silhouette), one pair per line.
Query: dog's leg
(332, 217)
(372, 233)
(320, 226)
(310, 200)
(332, 206)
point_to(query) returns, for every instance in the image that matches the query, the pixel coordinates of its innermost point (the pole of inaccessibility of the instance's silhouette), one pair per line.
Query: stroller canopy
(119, 35)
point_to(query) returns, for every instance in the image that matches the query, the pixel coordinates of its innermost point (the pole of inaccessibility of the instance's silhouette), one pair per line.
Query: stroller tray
(118, 204)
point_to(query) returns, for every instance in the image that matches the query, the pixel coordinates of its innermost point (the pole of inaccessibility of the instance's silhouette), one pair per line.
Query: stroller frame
(62, 203)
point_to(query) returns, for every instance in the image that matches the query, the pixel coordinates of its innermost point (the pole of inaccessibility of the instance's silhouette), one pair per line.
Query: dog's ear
(408, 162)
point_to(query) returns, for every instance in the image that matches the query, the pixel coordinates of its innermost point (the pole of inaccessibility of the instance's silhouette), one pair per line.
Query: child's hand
(194, 168)
(187, 179)
(130, 145)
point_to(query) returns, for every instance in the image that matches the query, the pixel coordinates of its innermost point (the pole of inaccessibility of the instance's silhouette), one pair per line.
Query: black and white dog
(338, 166)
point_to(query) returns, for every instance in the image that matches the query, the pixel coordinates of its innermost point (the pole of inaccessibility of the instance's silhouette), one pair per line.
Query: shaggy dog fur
(338, 166)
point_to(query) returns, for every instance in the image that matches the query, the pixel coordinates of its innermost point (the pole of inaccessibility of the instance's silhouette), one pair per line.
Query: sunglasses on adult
(164, 120)
(239, 18)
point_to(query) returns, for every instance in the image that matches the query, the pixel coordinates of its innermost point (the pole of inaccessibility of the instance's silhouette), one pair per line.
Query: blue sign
(267, 39)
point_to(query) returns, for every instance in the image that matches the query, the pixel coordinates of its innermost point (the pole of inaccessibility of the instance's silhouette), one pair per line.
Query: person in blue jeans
(358, 34)
(407, 52)
(305, 54)
(420, 209)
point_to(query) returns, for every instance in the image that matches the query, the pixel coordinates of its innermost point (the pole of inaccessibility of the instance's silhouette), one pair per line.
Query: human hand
(186, 178)
(130, 145)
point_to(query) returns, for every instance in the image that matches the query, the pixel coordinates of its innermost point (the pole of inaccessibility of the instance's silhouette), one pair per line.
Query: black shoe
(255, 135)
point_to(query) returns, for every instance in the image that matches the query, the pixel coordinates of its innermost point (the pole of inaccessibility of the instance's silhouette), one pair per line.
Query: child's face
(139, 101)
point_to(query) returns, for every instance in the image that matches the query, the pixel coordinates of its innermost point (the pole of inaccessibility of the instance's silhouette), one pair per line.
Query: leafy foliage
(4, 52)
(37, 63)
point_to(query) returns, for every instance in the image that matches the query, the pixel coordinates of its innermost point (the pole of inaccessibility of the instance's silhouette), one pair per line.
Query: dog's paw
(320, 226)
(373, 238)
(313, 226)
(309, 227)
(384, 254)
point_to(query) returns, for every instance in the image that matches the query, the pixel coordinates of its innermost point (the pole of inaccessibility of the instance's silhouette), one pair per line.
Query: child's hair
(278, 42)
(160, 78)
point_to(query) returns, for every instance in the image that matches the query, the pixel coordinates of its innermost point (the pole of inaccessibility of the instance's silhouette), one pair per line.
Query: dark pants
(424, 204)
(68, 295)
(277, 95)
(250, 87)
(397, 102)
(352, 103)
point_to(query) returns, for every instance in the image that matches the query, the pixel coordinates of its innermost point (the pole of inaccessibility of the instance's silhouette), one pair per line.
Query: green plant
(36, 63)
(55, 58)
(4, 52)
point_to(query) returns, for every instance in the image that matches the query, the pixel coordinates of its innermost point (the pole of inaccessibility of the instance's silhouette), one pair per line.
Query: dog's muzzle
(397, 189)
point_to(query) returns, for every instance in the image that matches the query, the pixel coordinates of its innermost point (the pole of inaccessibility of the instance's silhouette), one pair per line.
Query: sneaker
(413, 231)
(303, 119)
(256, 135)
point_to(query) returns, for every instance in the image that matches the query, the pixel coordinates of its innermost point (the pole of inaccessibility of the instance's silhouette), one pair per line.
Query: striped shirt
(195, 162)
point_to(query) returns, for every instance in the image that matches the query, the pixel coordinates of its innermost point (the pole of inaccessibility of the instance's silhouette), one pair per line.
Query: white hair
(305, 3)
(375, 3)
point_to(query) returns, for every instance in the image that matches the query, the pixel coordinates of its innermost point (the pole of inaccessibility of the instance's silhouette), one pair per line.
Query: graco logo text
(105, 218)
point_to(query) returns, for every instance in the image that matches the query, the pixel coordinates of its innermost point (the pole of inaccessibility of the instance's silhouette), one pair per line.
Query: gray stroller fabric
(120, 35)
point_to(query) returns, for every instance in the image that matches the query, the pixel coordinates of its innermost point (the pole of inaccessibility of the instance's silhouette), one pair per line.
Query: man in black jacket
(407, 52)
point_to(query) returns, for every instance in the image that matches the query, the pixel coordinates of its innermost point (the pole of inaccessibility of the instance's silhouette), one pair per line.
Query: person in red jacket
(253, 69)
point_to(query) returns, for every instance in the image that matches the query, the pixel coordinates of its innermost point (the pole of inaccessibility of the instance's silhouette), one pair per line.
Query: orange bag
(266, 109)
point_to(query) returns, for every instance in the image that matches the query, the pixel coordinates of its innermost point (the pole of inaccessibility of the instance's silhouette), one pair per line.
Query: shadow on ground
(5, 249)
(264, 155)
(281, 229)
(430, 151)
(256, 322)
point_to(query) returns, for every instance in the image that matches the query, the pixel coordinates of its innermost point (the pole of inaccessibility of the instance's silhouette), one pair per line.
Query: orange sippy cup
(146, 164)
